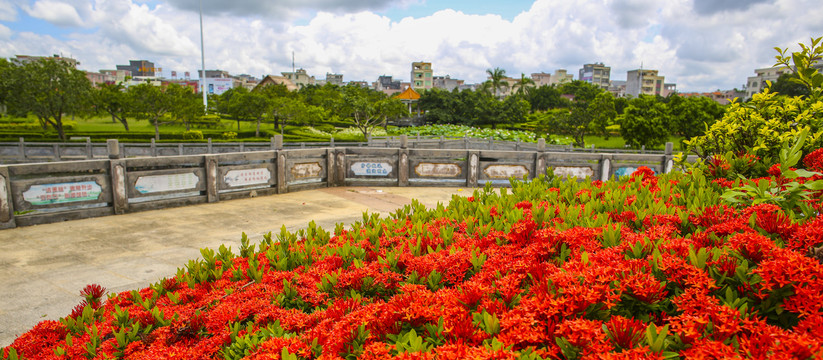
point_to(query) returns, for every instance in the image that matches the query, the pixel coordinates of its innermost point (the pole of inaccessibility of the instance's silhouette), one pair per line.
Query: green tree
(574, 123)
(582, 91)
(6, 77)
(362, 108)
(440, 106)
(788, 84)
(643, 122)
(49, 89)
(496, 80)
(187, 106)
(602, 113)
(112, 100)
(149, 102)
(761, 126)
(545, 98)
(523, 85)
(801, 64)
(248, 105)
(391, 108)
(691, 116)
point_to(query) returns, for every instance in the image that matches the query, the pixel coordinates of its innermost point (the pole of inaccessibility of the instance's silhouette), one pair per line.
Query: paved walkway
(44, 267)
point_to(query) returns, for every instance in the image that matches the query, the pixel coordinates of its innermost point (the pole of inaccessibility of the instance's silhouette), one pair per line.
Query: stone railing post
(278, 142)
(668, 159)
(212, 177)
(403, 163)
(21, 153)
(6, 204)
(540, 158)
(280, 155)
(605, 168)
(119, 192)
(472, 168)
(113, 146)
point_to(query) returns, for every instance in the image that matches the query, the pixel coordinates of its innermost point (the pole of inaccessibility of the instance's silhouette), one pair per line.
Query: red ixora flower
(814, 160)
(644, 171)
(93, 293)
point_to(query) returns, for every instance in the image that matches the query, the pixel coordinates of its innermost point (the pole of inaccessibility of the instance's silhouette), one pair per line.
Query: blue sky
(701, 45)
(506, 9)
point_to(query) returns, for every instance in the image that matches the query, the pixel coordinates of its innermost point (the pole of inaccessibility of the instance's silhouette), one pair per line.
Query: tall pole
(203, 63)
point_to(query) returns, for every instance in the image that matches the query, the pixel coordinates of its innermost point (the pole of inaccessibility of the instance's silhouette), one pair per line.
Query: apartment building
(336, 79)
(97, 78)
(541, 79)
(561, 76)
(118, 75)
(756, 84)
(644, 81)
(25, 59)
(387, 85)
(299, 77)
(446, 82)
(140, 68)
(596, 74)
(421, 76)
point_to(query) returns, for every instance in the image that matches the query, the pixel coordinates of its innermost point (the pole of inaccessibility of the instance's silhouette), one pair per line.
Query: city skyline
(700, 45)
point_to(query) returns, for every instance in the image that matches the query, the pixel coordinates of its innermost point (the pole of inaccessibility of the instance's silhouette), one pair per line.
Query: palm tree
(496, 79)
(523, 84)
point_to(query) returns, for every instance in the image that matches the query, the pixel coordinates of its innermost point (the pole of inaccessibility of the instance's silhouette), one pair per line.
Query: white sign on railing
(371, 168)
(62, 193)
(246, 177)
(162, 183)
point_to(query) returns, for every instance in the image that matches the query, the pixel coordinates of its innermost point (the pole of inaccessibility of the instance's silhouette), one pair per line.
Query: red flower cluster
(640, 269)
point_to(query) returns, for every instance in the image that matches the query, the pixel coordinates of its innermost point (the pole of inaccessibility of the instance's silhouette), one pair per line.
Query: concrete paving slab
(44, 267)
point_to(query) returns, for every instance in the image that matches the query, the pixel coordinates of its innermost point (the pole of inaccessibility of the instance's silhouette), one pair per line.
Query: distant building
(247, 81)
(24, 59)
(139, 67)
(98, 78)
(596, 74)
(387, 85)
(118, 75)
(668, 89)
(721, 97)
(756, 84)
(644, 81)
(214, 74)
(194, 85)
(336, 79)
(541, 79)
(446, 82)
(561, 76)
(299, 77)
(421, 76)
(360, 83)
(617, 88)
(274, 79)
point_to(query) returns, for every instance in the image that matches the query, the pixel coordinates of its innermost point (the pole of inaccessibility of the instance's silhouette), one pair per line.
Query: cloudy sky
(701, 45)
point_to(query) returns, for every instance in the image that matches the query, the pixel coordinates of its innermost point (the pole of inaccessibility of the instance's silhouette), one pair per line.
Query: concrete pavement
(44, 267)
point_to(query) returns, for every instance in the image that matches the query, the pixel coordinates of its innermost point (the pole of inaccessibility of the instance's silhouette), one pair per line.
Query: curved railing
(49, 192)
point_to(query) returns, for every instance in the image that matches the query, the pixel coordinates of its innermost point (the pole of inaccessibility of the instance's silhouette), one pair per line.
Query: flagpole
(203, 62)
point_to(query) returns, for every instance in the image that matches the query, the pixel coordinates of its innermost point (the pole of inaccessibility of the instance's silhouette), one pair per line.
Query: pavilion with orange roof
(408, 97)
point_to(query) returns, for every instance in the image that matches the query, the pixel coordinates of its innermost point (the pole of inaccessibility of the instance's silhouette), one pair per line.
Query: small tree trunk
(156, 130)
(58, 125)
(257, 131)
(124, 122)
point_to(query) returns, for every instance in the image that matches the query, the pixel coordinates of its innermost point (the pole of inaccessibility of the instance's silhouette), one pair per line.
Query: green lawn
(617, 142)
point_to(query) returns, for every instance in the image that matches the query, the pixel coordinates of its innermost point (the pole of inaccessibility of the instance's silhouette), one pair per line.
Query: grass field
(100, 128)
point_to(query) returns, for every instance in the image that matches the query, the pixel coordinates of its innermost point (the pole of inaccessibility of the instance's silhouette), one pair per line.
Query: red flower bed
(650, 267)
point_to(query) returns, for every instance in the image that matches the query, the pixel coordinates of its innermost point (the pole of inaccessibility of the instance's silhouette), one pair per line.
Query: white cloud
(8, 11)
(5, 33)
(55, 12)
(699, 45)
